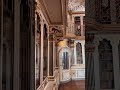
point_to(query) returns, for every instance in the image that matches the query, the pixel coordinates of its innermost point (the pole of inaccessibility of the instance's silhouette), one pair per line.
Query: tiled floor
(73, 85)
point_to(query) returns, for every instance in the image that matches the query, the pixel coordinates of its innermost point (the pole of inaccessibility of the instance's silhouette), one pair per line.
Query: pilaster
(81, 19)
(1, 41)
(41, 74)
(75, 57)
(16, 44)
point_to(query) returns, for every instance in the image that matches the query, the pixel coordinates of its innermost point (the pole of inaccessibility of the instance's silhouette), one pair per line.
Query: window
(79, 53)
(65, 61)
(77, 26)
(106, 65)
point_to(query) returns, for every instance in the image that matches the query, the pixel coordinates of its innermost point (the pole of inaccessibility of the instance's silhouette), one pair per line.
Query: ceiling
(54, 10)
(76, 5)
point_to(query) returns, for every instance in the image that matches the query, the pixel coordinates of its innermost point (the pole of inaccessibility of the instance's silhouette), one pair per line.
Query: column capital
(82, 43)
(114, 42)
(51, 38)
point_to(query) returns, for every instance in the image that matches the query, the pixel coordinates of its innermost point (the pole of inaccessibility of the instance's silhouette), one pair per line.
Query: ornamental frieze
(56, 30)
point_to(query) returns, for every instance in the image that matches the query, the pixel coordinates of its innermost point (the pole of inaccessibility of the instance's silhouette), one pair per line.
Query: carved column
(81, 20)
(113, 11)
(75, 56)
(42, 37)
(54, 58)
(25, 46)
(56, 53)
(1, 41)
(83, 52)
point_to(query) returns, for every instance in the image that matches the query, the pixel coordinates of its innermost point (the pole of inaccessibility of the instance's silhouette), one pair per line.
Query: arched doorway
(106, 70)
(64, 63)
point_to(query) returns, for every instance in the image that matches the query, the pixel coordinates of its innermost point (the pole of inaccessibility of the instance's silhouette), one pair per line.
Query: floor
(73, 85)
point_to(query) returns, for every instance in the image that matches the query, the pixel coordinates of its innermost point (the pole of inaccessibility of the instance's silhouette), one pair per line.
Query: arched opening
(65, 60)
(77, 20)
(106, 70)
(79, 53)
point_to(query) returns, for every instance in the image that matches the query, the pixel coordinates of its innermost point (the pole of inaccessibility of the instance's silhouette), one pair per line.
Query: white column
(1, 46)
(48, 53)
(53, 57)
(69, 55)
(81, 20)
(83, 52)
(41, 74)
(75, 56)
(16, 44)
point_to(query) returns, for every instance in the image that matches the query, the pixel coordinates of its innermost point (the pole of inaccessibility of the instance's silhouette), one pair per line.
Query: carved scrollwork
(118, 11)
(56, 30)
(102, 8)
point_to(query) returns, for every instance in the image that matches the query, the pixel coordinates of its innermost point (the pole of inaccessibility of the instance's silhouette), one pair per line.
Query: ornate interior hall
(44, 44)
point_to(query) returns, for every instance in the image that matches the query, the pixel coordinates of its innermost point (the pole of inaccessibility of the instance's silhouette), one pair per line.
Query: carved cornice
(39, 5)
(56, 30)
(43, 8)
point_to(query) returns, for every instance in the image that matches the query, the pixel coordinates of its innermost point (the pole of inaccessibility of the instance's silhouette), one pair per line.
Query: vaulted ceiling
(54, 10)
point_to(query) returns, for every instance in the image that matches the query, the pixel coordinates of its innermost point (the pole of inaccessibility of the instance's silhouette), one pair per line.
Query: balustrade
(43, 85)
(75, 30)
(51, 82)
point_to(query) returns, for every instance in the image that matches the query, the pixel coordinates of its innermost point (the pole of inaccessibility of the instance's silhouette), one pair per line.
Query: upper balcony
(75, 31)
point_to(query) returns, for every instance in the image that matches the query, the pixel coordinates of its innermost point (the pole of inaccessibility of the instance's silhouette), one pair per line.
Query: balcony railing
(51, 82)
(74, 30)
(43, 85)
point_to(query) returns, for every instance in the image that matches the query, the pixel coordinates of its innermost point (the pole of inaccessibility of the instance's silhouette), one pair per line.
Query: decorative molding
(76, 5)
(56, 30)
